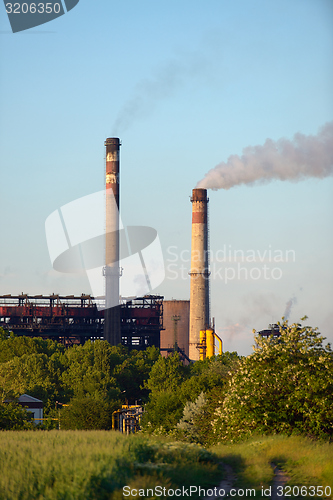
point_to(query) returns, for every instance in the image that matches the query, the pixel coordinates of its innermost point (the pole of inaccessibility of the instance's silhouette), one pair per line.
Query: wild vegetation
(77, 465)
(93, 380)
(283, 391)
(285, 386)
(306, 462)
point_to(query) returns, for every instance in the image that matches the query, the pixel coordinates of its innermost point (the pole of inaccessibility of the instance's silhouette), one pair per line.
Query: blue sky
(185, 85)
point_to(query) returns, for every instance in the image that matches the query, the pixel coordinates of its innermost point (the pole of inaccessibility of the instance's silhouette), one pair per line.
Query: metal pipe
(210, 342)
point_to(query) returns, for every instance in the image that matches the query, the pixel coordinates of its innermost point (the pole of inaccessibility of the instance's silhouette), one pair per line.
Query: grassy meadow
(306, 462)
(81, 465)
(75, 465)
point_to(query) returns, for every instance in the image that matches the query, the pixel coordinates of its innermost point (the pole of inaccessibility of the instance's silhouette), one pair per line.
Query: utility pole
(175, 320)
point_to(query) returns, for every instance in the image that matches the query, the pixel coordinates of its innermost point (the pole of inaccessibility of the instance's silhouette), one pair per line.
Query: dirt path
(226, 484)
(280, 479)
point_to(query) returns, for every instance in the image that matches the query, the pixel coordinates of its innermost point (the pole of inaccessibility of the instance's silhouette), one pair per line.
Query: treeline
(285, 386)
(93, 380)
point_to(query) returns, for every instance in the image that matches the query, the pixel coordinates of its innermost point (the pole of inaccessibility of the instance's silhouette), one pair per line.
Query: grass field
(95, 465)
(307, 463)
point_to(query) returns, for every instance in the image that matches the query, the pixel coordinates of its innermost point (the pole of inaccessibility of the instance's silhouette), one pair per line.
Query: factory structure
(183, 326)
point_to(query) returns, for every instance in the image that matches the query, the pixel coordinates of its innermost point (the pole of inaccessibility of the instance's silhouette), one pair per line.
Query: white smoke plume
(163, 83)
(289, 306)
(303, 157)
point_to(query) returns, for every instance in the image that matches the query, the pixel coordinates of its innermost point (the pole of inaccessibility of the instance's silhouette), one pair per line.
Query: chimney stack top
(112, 141)
(199, 194)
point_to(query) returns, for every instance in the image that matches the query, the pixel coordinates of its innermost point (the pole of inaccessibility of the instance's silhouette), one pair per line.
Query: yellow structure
(207, 344)
(127, 420)
(210, 343)
(202, 345)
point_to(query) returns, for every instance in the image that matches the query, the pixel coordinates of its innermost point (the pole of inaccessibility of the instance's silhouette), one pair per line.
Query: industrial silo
(176, 322)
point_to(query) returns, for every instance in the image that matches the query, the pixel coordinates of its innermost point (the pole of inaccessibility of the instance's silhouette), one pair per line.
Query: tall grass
(75, 465)
(306, 462)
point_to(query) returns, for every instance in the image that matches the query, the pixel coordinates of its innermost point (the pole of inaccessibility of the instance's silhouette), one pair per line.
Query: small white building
(33, 405)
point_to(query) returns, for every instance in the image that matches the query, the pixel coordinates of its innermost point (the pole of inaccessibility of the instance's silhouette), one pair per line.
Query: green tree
(132, 374)
(286, 386)
(34, 374)
(188, 423)
(208, 374)
(87, 413)
(174, 385)
(14, 417)
(167, 374)
(12, 346)
(165, 407)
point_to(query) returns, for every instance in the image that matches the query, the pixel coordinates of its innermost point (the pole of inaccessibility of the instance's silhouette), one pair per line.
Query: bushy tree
(208, 374)
(13, 346)
(133, 373)
(167, 374)
(188, 423)
(14, 417)
(95, 375)
(286, 386)
(88, 370)
(174, 385)
(165, 407)
(87, 413)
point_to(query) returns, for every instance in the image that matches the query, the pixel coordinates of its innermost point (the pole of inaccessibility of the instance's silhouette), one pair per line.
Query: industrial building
(140, 322)
(176, 326)
(74, 320)
(272, 331)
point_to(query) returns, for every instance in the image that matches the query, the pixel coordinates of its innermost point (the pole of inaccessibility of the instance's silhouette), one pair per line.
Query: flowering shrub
(285, 386)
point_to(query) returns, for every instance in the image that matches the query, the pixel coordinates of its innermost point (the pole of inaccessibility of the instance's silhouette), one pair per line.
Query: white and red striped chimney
(112, 332)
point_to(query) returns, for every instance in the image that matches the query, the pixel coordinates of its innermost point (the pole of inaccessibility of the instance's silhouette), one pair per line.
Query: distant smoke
(161, 85)
(301, 158)
(289, 306)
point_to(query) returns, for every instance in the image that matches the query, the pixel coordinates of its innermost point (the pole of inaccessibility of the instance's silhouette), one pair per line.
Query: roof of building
(25, 398)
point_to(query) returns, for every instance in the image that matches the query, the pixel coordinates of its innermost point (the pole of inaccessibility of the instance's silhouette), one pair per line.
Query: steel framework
(74, 320)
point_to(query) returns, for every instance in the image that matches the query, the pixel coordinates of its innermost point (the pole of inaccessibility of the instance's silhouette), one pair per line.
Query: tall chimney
(199, 295)
(112, 332)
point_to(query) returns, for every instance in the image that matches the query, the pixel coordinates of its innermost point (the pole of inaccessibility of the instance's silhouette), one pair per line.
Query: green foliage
(174, 385)
(35, 374)
(188, 424)
(96, 374)
(162, 413)
(88, 370)
(203, 421)
(165, 407)
(88, 413)
(12, 346)
(285, 386)
(167, 374)
(305, 461)
(134, 371)
(207, 375)
(14, 417)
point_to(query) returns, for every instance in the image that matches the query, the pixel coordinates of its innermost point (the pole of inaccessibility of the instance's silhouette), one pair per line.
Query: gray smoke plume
(162, 84)
(289, 306)
(301, 158)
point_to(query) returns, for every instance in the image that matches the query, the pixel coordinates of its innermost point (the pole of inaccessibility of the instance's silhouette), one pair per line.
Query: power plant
(173, 326)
